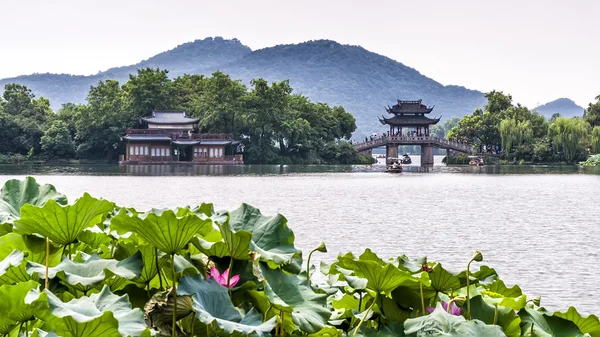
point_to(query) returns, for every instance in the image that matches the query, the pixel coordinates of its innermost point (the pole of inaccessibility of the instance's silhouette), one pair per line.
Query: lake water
(538, 227)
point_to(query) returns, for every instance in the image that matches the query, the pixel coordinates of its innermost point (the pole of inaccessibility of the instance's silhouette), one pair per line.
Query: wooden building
(170, 137)
(409, 119)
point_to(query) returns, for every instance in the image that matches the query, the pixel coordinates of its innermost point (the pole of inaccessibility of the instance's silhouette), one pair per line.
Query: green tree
(57, 141)
(150, 89)
(596, 139)
(101, 122)
(592, 113)
(569, 135)
(514, 133)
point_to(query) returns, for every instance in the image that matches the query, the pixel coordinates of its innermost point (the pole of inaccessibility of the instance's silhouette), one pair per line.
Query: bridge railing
(414, 139)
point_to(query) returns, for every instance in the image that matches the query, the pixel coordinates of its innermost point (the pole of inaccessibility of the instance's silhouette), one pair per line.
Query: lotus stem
(158, 268)
(192, 328)
(282, 325)
(229, 275)
(422, 298)
(359, 300)
(468, 292)
(174, 330)
(47, 261)
(495, 314)
(380, 314)
(308, 267)
(365, 316)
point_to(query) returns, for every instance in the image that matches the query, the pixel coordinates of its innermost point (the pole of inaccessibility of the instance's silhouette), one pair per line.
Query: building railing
(179, 134)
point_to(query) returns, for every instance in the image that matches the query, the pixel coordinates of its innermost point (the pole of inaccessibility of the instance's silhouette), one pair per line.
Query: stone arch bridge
(427, 144)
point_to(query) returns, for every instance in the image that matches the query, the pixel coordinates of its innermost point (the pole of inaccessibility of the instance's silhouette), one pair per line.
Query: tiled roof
(409, 120)
(215, 142)
(147, 137)
(170, 117)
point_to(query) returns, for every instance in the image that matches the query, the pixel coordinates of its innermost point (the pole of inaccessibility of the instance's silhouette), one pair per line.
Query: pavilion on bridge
(409, 119)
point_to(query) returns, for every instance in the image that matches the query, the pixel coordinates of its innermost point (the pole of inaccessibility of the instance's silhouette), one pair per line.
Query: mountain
(564, 106)
(361, 81)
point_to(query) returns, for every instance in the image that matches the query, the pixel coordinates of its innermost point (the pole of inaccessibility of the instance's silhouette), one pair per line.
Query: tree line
(524, 135)
(274, 124)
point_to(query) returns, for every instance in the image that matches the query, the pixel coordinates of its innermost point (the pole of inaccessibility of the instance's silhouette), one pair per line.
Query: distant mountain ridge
(361, 81)
(564, 106)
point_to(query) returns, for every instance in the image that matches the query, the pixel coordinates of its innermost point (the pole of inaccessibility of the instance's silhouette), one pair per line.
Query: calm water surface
(537, 226)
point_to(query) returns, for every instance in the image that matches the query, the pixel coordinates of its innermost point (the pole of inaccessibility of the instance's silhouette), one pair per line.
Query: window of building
(137, 150)
(153, 152)
(130, 150)
(168, 152)
(145, 150)
(220, 153)
(212, 152)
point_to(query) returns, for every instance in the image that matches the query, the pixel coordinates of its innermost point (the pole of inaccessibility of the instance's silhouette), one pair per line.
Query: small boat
(393, 166)
(391, 169)
(476, 161)
(405, 159)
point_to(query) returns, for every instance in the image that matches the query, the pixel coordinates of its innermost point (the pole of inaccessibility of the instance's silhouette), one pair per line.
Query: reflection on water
(234, 170)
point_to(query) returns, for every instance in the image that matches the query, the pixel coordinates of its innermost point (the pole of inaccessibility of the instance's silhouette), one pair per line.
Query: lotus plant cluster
(95, 269)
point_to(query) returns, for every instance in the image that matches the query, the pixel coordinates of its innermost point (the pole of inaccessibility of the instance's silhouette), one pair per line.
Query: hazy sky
(537, 50)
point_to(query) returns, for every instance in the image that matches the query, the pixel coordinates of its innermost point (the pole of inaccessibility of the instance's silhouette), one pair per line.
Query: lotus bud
(459, 300)
(477, 256)
(536, 301)
(321, 247)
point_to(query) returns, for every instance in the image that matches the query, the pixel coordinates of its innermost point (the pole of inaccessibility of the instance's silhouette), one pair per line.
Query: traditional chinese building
(409, 119)
(170, 137)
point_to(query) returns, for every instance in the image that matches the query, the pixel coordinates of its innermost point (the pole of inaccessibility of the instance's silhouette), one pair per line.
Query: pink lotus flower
(454, 310)
(222, 278)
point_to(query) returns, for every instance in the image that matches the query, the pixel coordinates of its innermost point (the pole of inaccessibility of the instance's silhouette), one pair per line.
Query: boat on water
(393, 166)
(476, 161)
(405, 159)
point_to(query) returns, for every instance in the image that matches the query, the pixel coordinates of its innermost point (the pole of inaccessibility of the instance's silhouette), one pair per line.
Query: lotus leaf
(271, 236)
(414, 266)
(12, 303)
(442, 280)
(441, 323)
(62, 224)
(166, 230)
(506, 317)
(41, 333)
(99, 315)
(545, 324)
(212, 305)
(382, 279)
(588, 324)
(86, 275)
(291, 294)
(12, 268)
(149, 269)
(16, 193)
(498, 293)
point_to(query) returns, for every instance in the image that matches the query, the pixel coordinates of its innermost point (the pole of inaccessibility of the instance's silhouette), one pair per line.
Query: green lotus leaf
(441, 323)
(290, 293)
(16, 193)
(149, 270)
(393, 329)
(213, 306)
(7, 325)
(442, 280)
(12, 303)
(12, 268)
(498, 293)
(90, 273)
(41, 333)
(95, 237)
(99, 315)
(230, 242)
(345, 304)
(506, 317)
(62, 224)
(271, 236)
(413, 266)
(484, 275)
(327, 331)
(544, 324)
(5, 228)
(166, 230)
(381, 278)
(588, 324)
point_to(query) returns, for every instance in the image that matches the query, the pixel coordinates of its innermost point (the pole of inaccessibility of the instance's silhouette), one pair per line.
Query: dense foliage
(92, 268)
(522, 135)
(275, 125)
(325, 71)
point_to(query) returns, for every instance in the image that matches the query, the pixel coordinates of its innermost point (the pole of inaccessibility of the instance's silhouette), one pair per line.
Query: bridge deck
(421, 140)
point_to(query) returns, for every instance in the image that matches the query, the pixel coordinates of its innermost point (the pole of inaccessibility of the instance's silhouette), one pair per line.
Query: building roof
(186, 142)
(147, 137)
(409, 107)
(170, 117)
(409, 120)
(215, 142)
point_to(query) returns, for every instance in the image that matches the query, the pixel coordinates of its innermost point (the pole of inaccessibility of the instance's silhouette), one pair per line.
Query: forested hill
(563, 106)
(361, 81)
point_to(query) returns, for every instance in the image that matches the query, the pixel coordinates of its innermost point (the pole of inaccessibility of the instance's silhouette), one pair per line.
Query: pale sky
(537, 50)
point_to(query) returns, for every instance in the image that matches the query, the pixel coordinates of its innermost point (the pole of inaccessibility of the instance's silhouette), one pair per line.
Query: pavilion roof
(170, 117)
(409, 120)
(409, 107)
